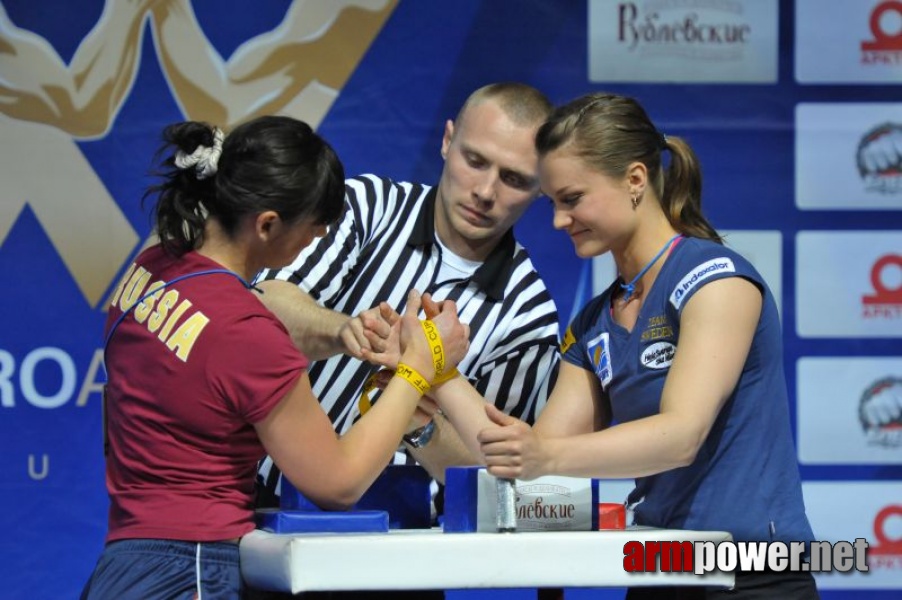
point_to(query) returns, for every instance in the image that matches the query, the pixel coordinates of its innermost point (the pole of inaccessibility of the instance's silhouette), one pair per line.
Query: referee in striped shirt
(454, 241)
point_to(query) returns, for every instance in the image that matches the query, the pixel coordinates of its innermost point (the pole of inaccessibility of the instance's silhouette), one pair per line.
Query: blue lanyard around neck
(631, 286)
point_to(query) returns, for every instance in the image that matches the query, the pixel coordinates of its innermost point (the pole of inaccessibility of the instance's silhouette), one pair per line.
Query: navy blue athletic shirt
(745, 478)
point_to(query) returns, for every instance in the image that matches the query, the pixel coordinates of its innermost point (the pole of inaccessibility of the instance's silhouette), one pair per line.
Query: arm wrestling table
(408, 559)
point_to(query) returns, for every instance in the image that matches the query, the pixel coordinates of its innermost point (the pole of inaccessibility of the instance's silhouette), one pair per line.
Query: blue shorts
(166, 570)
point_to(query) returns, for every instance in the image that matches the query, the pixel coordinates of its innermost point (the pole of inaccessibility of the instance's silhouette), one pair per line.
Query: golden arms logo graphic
(297, 69)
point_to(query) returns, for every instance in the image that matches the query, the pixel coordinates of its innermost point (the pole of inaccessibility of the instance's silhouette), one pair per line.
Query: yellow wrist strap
(435, 344)
(446, 376)
(411, 376)
(364, 404)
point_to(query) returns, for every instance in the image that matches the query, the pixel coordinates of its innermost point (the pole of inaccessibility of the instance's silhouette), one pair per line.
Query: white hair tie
(204, 159)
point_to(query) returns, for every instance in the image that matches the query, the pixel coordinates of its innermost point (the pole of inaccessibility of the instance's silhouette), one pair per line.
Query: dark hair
(610, 132)
(268, 163)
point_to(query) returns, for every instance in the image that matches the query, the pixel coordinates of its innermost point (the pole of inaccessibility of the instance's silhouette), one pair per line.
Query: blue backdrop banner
(794, 108)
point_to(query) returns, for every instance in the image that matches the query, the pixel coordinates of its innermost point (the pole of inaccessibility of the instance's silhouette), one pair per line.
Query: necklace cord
(630, 287)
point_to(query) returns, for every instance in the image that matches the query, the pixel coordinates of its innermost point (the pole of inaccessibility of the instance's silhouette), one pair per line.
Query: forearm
(105, 64)
(369, 445)
(464, 408)
(196, 73)
(334, 471)
(314, 329)
(445, 449)
(635, 449)
(81, 99)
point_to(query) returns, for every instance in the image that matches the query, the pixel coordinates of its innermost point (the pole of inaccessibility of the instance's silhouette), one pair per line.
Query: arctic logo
(658, 356)
(699, 274)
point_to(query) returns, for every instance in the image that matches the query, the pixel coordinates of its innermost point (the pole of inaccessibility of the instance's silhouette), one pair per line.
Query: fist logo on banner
(880, 412)
(879, 158)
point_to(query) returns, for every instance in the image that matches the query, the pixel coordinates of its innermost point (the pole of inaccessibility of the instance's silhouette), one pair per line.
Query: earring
(635, 201)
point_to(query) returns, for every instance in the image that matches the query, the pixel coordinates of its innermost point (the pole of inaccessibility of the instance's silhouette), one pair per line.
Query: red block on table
(611, 515)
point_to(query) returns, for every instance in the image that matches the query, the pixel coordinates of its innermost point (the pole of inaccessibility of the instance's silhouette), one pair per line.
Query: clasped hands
(433, 347)
(509, 446)
(378, 336)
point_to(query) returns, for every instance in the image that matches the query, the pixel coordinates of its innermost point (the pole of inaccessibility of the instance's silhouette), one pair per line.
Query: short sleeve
(265, 367)
(573, 346)
(714, 264)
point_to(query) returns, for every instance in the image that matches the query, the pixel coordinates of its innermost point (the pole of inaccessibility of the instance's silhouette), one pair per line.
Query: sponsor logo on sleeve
(698, 275)
(600, 354)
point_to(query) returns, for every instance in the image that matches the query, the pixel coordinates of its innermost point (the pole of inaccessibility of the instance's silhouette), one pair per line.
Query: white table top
(430, 559)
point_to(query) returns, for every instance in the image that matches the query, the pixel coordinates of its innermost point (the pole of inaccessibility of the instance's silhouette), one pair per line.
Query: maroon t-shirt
(191, 369)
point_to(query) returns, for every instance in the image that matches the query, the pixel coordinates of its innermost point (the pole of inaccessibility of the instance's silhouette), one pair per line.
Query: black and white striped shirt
(385, 246)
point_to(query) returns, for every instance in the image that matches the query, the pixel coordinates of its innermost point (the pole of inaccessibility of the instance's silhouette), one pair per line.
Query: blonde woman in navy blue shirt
(672, 376)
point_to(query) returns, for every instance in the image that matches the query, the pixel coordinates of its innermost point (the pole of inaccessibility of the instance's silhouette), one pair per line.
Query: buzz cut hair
(522, 103)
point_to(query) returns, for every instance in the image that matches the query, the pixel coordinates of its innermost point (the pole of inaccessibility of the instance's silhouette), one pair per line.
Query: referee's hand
(371, 331)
